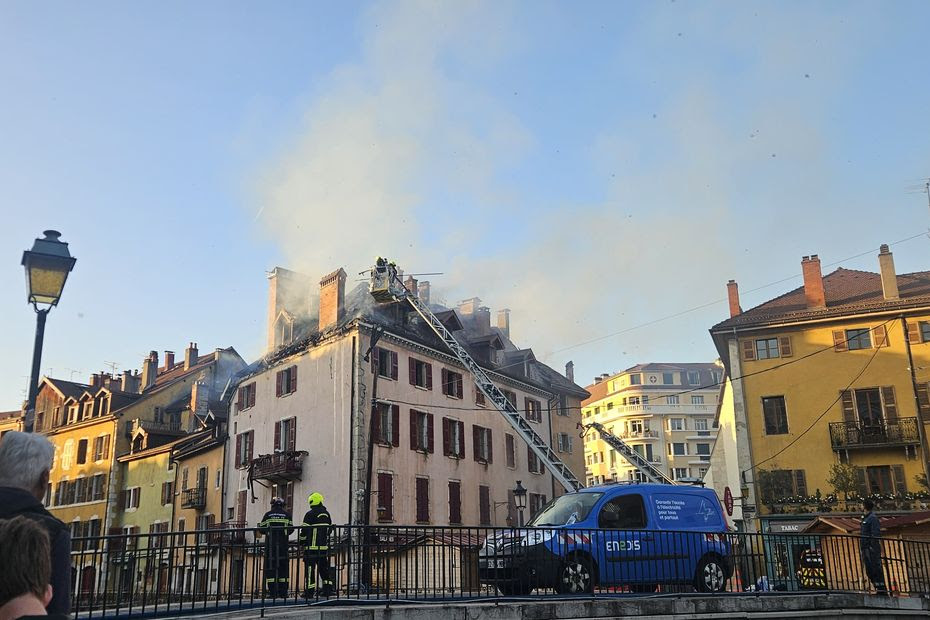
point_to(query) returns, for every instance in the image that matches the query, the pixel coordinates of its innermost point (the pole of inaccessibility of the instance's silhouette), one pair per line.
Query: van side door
(626, 545)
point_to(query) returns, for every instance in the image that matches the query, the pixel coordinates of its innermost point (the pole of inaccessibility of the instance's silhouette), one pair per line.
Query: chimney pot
(813, 282)
(423, 291)
(503, 321)
(733, 298)
(889, 277)
(332, 298)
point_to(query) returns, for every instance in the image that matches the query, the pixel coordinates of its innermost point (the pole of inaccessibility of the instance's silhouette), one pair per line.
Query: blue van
(615, 536)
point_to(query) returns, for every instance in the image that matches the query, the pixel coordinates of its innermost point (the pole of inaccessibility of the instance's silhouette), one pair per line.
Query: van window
(626, 512)
(566, 509)
(685, 511)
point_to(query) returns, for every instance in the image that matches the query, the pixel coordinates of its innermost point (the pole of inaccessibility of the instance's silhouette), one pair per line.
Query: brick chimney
(190, 355)
(570, 371)
(889, 277)
(733, 298)
(468, 306)
(169, 359)
(287, 290)
(483, 320)
(423, 291)
(813, 282)
(96, 380)
(332, 298)
(411, 284)
(503, 321)
(149, 370)
(127, 382)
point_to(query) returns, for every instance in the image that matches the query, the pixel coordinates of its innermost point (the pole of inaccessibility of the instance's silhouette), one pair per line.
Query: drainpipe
(920, 419)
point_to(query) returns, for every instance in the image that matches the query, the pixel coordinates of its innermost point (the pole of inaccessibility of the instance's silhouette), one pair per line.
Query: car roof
(644, 486)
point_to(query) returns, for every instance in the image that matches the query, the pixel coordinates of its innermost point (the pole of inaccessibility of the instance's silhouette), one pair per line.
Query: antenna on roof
(113, 366)
(72, 371)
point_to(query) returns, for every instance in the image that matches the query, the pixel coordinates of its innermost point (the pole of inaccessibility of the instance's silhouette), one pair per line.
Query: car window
(566, 509)
(626, 512)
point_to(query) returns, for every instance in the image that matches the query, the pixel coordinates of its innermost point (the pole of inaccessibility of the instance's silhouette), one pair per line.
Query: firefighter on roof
(276, 527)
(314, 541)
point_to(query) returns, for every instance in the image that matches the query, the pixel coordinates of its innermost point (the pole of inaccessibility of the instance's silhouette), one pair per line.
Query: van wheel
(711, 575)
(576, 576)
(514, 588)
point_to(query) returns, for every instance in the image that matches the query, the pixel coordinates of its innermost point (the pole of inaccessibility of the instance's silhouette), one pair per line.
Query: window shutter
(923, 399)
(511, 451)
(784, 346)
(375, 357)
(385, 497)
(913, 333)
(490, 446)
(891, 408)
(251, 440)
(239, 450)
(292, 438)
(121, 504)
(849, 410)
(279, 383)
(106, 446)
(395, 423)
(289, 496)
(394, 365)
(252, 390)
(429, 376)
(429, 433)
(862, 487)
(881, 336)
(412, 366)
(839, 340)
(444, 379)
(900, 484)
(476, 440)
(239, 399)
(446, 437)
(749, 351)
(241, 503)
(800, 483)
(277, 435)
(459, 387)
(376, 423)
(293, 371)
(460, 449)
(413, 430)
(484, 503)
(455, 502)
(422, 499)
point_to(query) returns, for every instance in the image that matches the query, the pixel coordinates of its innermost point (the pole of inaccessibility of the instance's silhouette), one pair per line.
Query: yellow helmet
(315, 499)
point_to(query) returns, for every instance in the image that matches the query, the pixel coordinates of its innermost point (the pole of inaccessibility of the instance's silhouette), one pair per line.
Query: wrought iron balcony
(228, 533)
(278, 467)
(884, 434)
(194, 498)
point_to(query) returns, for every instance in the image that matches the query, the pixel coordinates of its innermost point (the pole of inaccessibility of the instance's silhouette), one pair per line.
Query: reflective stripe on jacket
(314, 532)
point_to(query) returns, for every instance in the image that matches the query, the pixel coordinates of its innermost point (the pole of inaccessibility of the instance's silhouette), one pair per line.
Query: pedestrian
(314, 540)
(276, 527)
(870, 544)
(25, 463)
(26, 558)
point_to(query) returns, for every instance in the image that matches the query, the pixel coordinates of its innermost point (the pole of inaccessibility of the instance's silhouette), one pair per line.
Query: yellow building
(828, 374)
(10, 421)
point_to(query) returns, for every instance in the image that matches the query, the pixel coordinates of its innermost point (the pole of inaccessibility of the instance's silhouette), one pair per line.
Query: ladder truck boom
(649, 471)
(386, 286)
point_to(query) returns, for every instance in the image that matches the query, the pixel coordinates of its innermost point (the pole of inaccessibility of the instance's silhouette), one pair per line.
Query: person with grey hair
(25, 463)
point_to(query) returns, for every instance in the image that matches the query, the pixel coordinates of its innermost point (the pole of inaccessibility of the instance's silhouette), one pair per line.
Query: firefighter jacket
(315, 530)
(276, 526)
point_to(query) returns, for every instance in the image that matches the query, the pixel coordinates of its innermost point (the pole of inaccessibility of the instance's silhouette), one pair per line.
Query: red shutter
(446, 437)
(395, 419)
(749, 351)
(293, 371)
(784, 346)
(511, 451)
(413, 430)
(238, 450)
(444, 375)
(460, 450)
(292, 438)
(385, 497)
(455, 502)
(429, 376)
(376, 423)
(252, 390)
(251, 435)
(394, 365)
(458, 386)
(412, 365)
(913, 333)
(277, 435)
(839, 340)
(490, 446)
(881, 336)
(475, 432)
(279, 383)
(484, 505)
(429, 433)
(239, 399)
(241, 500)
(422, 491)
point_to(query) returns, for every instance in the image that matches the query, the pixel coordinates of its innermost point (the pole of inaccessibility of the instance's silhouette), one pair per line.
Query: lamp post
(47, 266)
(519, 498)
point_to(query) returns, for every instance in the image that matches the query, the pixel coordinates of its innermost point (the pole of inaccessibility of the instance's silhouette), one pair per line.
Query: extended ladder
(637, 460)
(387, 286)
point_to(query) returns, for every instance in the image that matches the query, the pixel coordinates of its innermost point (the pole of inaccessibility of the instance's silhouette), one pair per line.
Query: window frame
(765, 351)
(859, 336)
(772, 419)
(638, 525)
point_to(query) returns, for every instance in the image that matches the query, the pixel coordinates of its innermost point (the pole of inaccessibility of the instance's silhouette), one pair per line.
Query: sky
(600, 168)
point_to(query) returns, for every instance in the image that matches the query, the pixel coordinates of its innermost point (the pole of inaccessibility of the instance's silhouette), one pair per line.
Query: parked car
(619, 536)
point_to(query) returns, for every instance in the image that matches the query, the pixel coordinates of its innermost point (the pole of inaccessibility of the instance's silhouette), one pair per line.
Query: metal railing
(883, 433)
(226, 567)
(194, 498)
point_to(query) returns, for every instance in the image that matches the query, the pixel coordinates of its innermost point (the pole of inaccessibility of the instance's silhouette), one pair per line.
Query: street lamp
(47, 266)
(519, 498)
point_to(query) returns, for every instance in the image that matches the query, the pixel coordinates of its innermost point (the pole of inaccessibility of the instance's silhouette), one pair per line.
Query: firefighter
(314, 541)
(276, 527)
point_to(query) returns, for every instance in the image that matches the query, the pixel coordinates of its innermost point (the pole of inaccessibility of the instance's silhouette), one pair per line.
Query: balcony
(194, 498)
(644, 434)
(228, 533)
(278, 467)
(886, 434)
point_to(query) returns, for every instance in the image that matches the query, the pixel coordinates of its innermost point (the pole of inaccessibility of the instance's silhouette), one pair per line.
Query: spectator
(26, 560)
(25, 462)
(870, 544)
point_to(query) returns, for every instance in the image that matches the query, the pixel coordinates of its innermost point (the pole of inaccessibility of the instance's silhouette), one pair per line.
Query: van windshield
(567, 509)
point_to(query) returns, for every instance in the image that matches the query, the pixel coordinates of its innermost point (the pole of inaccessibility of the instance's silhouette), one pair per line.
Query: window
(534, 464)
(453, 438)
(563, 406)
(481, 444)
(67, 455)
(883, 479)
(778, 484)
(636, 379)
(678, 449)
(421, 431)
(385, 422)
(451, 383)
(537, 501)
(285, 435)
(716, 376)
(636, 427)
(98, 487)
(132, 498)
(564, 443)
(676, 424)
(511, 452)
(766, 348)
(479, 397)
(634, 400)
(244, 445)
(697, 399)
(202, 477)
(679, 473)
(219, 476)
(421, 373)
(511, 397)
(775, 414)
(858, 339)
(869, 406)
(924, 337)
(700, 424)
(385, 496)
(422, 490)
(702, 449)
(167, 493)
(286, 381)
(101, 447)
(671, 399)
(694, 377)
(623, 513)
(384, 362)
(668, 378)
(184, 479)
(484, 505)
(284, 490)
(455, 502)
(533, 410)
(246, 396)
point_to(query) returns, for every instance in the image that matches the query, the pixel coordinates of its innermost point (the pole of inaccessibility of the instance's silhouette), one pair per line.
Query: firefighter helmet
(277, 502)
(315, 499)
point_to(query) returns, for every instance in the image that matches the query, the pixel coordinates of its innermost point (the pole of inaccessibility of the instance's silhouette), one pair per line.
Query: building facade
(663, 411)
(830, 392)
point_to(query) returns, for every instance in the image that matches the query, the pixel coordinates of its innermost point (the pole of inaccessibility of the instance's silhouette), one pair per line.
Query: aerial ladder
(386, 287)
(648, 471)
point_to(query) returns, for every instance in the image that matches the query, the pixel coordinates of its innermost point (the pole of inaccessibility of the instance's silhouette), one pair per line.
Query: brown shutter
(241, 500)
(446, 437)
(839, 340)
(238, 450)
(395, 422)
(900, 484)
(475, 432)
(891, 408)
(849, 410)
(121, 503)
(239, 399)
(252, 390)
(375, 359)
(455, 502)
(800, 483)
(459, 387)
(429, 376)
(376, 422)
(484, 505)
(106, 446)
(394, 365)
(385, 497)
(293, 372)
(923, 399)
(490, 448)
(292, 438)
(429, 433)
(862, 487)
(277, 435)
(289, 496)
(422, 491)
(444, 378)
(784, 346)
(913, 333)
(511, 451)
(749, 351)
(881, 336)
(413, 429)
(460, 450)
(279, 383)
(251, 435)
(412, 366)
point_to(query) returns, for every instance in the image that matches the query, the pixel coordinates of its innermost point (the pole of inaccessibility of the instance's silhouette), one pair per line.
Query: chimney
(813, 282)
(423, 291)
(332, 298)
(169, 359)
(468, 306)
(598, 379)
(190, 355)
(483, 320)
(287, 290)
(411, 284)
(570, 371)
(127, 382)
(200, 397)
(733, 298)
(503, 321)
(889, 278)
(96, 380)
(149, 369)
